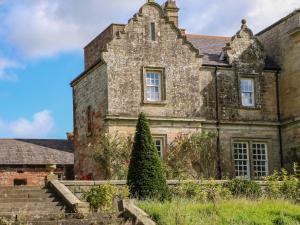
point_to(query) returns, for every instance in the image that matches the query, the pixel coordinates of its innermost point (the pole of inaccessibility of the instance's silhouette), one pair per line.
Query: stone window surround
(160, 70)
(163, 137)
(255, 78)
(268, 143)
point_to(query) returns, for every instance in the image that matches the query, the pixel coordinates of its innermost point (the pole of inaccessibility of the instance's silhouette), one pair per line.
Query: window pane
(247, 92)
(247, 85)
(260, 163)
(153, 87)
(159, 145)
(241, 159)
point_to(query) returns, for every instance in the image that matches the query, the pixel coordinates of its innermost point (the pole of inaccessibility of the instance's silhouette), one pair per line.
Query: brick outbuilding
(27, 161)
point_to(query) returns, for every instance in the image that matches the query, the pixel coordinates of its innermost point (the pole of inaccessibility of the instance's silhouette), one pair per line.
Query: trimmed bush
(101, 197)
(146, 178)
(244, 188)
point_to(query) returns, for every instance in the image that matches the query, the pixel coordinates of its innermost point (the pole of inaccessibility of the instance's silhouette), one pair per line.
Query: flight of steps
(38, 206)
(29, 203)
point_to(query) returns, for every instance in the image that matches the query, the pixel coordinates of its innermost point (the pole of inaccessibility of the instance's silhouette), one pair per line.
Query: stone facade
(282, 42)
(200, 87)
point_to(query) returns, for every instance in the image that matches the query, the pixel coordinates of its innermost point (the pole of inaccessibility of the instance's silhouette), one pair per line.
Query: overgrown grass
(227, 212)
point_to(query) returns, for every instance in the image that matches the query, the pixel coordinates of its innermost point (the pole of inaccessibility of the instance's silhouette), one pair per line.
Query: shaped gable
(245, 51)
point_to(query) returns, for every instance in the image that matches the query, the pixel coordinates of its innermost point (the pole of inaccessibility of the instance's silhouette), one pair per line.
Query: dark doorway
(20, 182)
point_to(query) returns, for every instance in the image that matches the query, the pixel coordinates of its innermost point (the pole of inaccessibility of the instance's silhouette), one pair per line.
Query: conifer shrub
(146, 178)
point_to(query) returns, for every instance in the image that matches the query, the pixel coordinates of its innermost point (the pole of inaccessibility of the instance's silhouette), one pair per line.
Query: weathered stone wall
(115, 90)
(92, 52)
(34, 176)
(247, 132)
(90, 90)
(282, 42)
(230, 107)
(291, 144)
(126, 56)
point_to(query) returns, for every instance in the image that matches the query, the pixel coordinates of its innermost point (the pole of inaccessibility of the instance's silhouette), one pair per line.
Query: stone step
(32, 212)
(75, 222)
(34, 215)
(26, 200)
(27, 195)
(21, 188)
(16, 191)
(29, 205)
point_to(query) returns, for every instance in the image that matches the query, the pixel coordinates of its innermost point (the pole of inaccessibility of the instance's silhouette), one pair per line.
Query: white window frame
(162, 145)
(252, 92)
(149, 86)
(260, 157)
(240, 159)
(255, 154)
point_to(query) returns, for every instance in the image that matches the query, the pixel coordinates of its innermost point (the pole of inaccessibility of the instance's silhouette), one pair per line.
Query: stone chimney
(171, 11)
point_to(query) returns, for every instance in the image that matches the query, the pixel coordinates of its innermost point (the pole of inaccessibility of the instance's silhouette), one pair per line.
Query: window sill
(161, 103)
(250, 107)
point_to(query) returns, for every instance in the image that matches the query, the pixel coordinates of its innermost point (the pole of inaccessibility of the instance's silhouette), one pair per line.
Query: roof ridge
(208, 36)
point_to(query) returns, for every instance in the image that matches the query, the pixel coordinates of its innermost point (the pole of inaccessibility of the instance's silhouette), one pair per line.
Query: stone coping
(135, 214)
(123, 182)
(69, 198)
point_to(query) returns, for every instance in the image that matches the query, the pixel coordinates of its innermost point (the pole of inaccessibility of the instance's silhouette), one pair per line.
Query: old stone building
(244, 87)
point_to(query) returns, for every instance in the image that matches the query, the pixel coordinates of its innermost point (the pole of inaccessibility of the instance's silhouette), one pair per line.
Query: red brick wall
(34, 176)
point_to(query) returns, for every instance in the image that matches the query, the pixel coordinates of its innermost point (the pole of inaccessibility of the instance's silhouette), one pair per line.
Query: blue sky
(41, 44)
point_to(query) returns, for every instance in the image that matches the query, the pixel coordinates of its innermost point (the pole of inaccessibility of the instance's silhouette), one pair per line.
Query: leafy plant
(282, 185)
(101, 197)
(112, 153)
(193, 156)
(201, 192)
(189, 190)
(244, 188)
(146, 177)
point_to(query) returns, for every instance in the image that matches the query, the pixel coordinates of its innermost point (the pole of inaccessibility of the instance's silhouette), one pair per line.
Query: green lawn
(239, 211)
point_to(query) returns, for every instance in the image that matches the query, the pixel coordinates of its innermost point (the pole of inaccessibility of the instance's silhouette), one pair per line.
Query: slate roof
(36, 152)
(212, 46)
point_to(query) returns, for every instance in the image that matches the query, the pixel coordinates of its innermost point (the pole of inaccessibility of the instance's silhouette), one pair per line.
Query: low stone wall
(79, 187)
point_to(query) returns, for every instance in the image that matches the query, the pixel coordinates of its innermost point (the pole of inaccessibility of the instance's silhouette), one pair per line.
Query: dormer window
(152, 31)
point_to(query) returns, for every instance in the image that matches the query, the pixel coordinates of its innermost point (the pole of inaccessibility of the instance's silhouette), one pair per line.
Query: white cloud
(45, 28)
(5, 66)
(263, 13)
(41, 125)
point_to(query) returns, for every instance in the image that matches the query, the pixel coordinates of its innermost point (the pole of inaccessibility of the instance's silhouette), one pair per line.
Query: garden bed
(225, 212)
